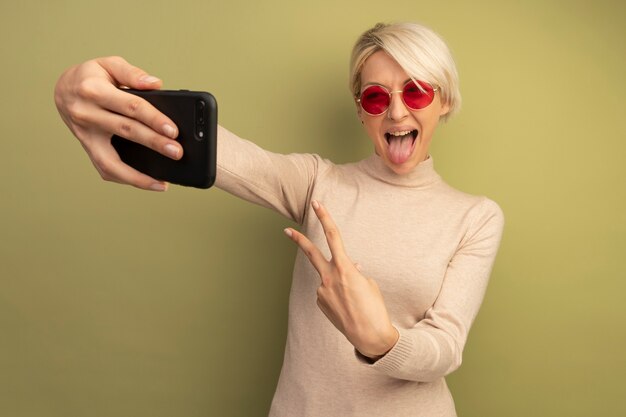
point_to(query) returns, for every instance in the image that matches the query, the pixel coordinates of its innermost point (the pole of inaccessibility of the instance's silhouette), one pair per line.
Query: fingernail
(157, 186)
(172, 150)
(169, 131)
(148, 79)
(288, 232)
(315, 204)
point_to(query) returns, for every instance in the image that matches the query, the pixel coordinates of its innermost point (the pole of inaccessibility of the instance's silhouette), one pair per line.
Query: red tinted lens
(375, 99)
(415, 98)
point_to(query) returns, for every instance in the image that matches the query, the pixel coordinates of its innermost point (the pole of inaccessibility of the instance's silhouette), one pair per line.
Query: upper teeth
(404, 132)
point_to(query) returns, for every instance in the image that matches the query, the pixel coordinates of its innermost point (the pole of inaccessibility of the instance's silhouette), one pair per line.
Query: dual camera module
(201, 119)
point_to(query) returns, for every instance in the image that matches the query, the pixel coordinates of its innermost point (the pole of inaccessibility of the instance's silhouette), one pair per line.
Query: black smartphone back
(195, 115)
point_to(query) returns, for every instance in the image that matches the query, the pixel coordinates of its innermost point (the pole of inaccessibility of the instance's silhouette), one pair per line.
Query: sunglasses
(375, 99)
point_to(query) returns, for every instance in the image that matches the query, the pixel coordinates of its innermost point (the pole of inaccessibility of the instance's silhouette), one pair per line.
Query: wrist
(387, 342)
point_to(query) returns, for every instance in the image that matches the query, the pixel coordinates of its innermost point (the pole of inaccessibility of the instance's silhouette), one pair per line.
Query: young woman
(394, 262)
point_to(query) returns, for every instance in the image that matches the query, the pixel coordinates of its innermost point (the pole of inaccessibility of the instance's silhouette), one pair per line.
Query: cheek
(372, 125)
(373, 131)
(428, 121)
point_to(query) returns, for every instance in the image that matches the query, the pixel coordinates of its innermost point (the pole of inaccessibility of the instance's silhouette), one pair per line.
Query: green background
(117, 302)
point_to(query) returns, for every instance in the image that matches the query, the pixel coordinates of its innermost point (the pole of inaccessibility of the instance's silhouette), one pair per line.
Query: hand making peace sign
(352, 302)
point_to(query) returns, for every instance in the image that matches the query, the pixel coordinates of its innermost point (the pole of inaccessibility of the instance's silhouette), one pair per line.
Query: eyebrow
(382, 85)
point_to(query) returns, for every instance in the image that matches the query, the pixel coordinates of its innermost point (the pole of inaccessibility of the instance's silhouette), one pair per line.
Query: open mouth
(401, 145)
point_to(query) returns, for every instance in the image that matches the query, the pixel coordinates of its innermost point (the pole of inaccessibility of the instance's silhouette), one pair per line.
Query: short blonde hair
(420, 52)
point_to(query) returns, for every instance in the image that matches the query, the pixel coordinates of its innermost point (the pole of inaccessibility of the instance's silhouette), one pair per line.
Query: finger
(103, 95)
(111, 168)
(331, 231)
(128, 75)
(131, 129)
(311, 251)
(139, 109)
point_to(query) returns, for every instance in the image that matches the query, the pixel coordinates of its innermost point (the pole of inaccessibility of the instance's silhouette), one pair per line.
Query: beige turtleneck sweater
(430, 249)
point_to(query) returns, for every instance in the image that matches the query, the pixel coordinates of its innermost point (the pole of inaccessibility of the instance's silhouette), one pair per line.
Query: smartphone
(195, 115)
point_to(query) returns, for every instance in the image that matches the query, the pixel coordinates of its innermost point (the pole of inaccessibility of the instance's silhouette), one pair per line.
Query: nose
(397, 109)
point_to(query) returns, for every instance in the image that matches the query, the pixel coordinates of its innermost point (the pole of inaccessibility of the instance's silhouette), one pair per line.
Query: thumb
(129, 75)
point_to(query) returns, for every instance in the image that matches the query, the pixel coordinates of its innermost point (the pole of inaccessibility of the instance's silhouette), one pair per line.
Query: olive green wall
(116, 302)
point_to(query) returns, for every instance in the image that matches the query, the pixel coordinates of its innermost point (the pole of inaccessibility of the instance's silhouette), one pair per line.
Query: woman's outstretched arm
(94, 108)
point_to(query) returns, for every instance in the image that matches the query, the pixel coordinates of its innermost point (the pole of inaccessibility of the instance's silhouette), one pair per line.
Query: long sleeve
(433, 347)
(280, 182)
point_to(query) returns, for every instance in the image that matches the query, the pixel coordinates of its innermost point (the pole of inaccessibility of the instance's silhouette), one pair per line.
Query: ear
(445, 109)
(359, 110)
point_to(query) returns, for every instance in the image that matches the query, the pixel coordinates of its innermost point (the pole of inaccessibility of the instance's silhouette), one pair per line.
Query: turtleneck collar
(423, 175)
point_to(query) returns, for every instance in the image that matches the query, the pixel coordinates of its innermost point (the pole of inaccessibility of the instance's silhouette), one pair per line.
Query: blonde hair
(420, 52)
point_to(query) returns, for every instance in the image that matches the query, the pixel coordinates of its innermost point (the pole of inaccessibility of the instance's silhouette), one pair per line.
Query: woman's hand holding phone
(94, 108)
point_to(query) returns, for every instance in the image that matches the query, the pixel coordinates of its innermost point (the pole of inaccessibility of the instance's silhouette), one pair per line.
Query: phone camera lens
(200, 110)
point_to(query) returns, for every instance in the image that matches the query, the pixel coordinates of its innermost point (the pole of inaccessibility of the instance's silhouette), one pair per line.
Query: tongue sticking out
(400, 148)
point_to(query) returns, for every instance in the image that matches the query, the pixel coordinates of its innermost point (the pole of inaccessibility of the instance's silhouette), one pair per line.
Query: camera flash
(201, 134)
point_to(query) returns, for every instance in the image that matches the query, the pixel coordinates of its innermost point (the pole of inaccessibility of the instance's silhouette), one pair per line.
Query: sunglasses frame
(435, 89)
